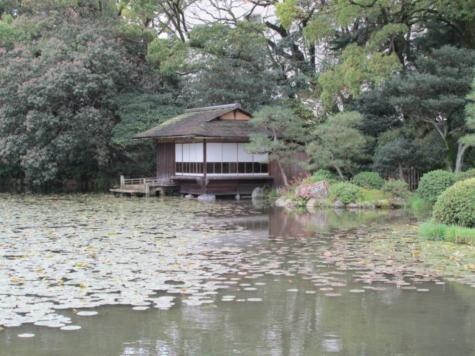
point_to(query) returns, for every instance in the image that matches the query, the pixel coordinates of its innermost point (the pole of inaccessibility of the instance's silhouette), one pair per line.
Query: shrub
(345, 192)
(398, 188)
(433, 183)
(373, 195)
(465, 175)
(323, 174)
(370, 180)
(457, 204)
(450, 233)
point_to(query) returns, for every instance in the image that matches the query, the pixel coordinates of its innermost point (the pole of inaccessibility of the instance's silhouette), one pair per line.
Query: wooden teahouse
(203, 151)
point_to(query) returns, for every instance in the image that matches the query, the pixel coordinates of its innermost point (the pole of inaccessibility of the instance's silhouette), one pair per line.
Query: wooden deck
(144, 187)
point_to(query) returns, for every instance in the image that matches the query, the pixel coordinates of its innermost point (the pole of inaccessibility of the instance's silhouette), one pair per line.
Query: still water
(179, 277)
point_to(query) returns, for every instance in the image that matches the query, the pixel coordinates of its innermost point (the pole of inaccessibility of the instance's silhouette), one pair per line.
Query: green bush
(456, 205)
(345, 192)
(370, 180)
(323, 174)
(433, 183)
(396, 187)
(465, 175)
(450, 233)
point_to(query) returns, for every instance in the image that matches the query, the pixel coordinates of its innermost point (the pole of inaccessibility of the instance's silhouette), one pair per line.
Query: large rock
(258, 193)
(284, 202)
(207, 197)
(339, 204)
(311, 204)
(318, 190)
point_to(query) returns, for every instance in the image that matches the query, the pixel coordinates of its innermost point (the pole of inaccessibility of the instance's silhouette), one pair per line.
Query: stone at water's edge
(311, 204)
(207, 197)
(318, 190)
(284, 202)
(258, 193)
(339, 204)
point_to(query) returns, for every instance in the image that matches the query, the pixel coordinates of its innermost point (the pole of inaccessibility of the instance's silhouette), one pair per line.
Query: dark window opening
(222, 167)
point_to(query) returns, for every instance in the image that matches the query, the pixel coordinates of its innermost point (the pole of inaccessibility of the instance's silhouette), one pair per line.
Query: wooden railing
(146, 182)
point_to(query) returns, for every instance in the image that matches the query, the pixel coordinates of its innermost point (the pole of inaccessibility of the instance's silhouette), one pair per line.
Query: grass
(449, 233)
(372, 195)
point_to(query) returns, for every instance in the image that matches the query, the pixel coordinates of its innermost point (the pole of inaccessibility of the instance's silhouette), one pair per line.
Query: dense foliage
(279, 132)
(357, 85)
(337, 143)
(345, 192)
(368, 180)
(323, 174)
(432, 184)
(396, 187)
(465, 175)
(457, 205)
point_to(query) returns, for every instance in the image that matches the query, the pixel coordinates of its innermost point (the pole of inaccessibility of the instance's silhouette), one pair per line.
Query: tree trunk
(340, 174)
(282, 173)
(462, 148)
(401, 172)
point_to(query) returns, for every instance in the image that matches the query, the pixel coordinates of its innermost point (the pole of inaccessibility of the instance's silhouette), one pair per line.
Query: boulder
(207, 197)
(258, 193)
(318, 190)
(339, 204)
(311, 204)
(284, 202)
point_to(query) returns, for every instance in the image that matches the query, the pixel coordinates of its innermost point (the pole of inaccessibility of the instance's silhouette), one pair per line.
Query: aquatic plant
(450, 233)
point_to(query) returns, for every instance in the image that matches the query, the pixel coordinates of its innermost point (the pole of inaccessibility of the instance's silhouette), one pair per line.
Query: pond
(98, 275)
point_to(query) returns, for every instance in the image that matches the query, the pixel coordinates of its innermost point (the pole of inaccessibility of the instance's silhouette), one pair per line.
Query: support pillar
(204, 182)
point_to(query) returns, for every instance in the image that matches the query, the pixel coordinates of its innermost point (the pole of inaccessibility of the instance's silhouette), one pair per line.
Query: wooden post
(205, 168)
(147, 190)
(122, 181)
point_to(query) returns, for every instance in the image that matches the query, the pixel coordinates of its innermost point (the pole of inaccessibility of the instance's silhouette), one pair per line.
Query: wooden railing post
(122, 181)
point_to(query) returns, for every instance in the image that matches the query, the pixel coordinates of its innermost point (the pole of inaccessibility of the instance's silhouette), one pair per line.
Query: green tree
(231, 64)
(367, 41)
(338, 143)
(433, 95)
(57, 101)
(280, 134)
(467, 140)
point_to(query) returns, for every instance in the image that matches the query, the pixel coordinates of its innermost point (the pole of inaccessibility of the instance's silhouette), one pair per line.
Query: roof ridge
(232, 106)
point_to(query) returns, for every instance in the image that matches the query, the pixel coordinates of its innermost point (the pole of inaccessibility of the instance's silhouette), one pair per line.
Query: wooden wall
(165, 156)
(225, 186)
(293, 170)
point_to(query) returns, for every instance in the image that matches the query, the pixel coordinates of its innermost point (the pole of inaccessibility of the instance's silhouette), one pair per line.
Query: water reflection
(287, 260)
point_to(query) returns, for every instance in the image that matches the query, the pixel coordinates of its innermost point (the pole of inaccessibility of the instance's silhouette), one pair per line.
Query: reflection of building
(285, 223)
(257, 224)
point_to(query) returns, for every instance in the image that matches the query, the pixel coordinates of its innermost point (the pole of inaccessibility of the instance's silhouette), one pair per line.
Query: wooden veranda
(144, 186)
